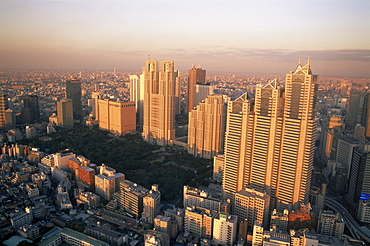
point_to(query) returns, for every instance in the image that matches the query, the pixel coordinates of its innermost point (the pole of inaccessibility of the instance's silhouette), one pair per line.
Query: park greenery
(170, 167)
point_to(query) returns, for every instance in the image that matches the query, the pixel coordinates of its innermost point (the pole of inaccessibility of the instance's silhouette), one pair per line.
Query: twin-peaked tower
(160, 94)
(269, 142)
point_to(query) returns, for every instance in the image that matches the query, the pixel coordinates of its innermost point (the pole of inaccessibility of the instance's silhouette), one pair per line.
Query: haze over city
(220, 36)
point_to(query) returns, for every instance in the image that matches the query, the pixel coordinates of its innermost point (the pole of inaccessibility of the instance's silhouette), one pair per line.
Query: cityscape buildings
(265, 167)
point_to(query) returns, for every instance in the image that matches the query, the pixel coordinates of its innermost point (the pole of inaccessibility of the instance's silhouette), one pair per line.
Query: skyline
(227, 37)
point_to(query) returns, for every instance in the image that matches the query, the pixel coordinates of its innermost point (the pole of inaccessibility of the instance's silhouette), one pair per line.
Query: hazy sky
(221, 36)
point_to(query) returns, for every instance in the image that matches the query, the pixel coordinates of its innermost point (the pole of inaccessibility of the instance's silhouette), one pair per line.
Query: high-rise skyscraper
(137, 96)
(3, 108)
(73, 91)
(30, 111)
(65, 113)
(270, 146)
(95, 107)
(196, 76)
(159, 102)
(207, 127)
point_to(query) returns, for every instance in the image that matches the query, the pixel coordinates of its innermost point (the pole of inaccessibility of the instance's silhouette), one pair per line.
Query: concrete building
(159, 102)
(65, 113)
(206, 127)
(117, 117)
(9, 119)
(86, 177)
(199, 198)
(224, 229)
(363, 212)
(30, 111)
(196, 76)
(199, 221)
(252, 205)
(130, 199)
(73, 92)
(107, 182)
(30, 132)
(3, 108)
(137, 96)
(344, 150)
(218, 167)
(279, 221)
(95, 106)
(151, 205)
(358, 186)
(330, 223)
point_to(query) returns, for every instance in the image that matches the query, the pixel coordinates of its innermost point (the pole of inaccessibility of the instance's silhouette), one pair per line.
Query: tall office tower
(344, 150)
(159, 102)
(343, 89)
(195, 76)
(358, 186)
(355, 108)
(177, 92)
(365, 121)
(207, 127)
(95, 107)
(3, 108)
(65, 113)
(9, 119)
(298, 135)
(201, 92)
(137, 96)
(271, 146)
(117, 117)
(30, 110)
(73, 91)
(237, 127)
(151, 205)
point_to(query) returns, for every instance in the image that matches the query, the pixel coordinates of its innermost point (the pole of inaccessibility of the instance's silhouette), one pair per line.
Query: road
(352, 225)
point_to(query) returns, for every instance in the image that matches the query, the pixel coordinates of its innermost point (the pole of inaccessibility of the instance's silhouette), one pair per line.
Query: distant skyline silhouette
(220, 36)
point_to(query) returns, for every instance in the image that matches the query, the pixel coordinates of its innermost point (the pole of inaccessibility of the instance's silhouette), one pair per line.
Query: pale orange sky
(221, 36)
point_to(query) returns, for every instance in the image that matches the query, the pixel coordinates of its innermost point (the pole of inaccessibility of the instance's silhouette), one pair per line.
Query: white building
(224, 229)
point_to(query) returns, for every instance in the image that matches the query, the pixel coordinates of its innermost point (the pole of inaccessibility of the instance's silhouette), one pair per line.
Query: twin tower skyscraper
(269, 139)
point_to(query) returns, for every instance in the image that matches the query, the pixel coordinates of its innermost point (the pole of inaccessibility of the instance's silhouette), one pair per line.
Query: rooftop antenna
(299, 61)
(309, 60)
(148, 57)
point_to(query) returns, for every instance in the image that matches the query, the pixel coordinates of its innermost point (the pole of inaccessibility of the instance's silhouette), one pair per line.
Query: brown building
(86, 175)
(196, 76)
(117, 117)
